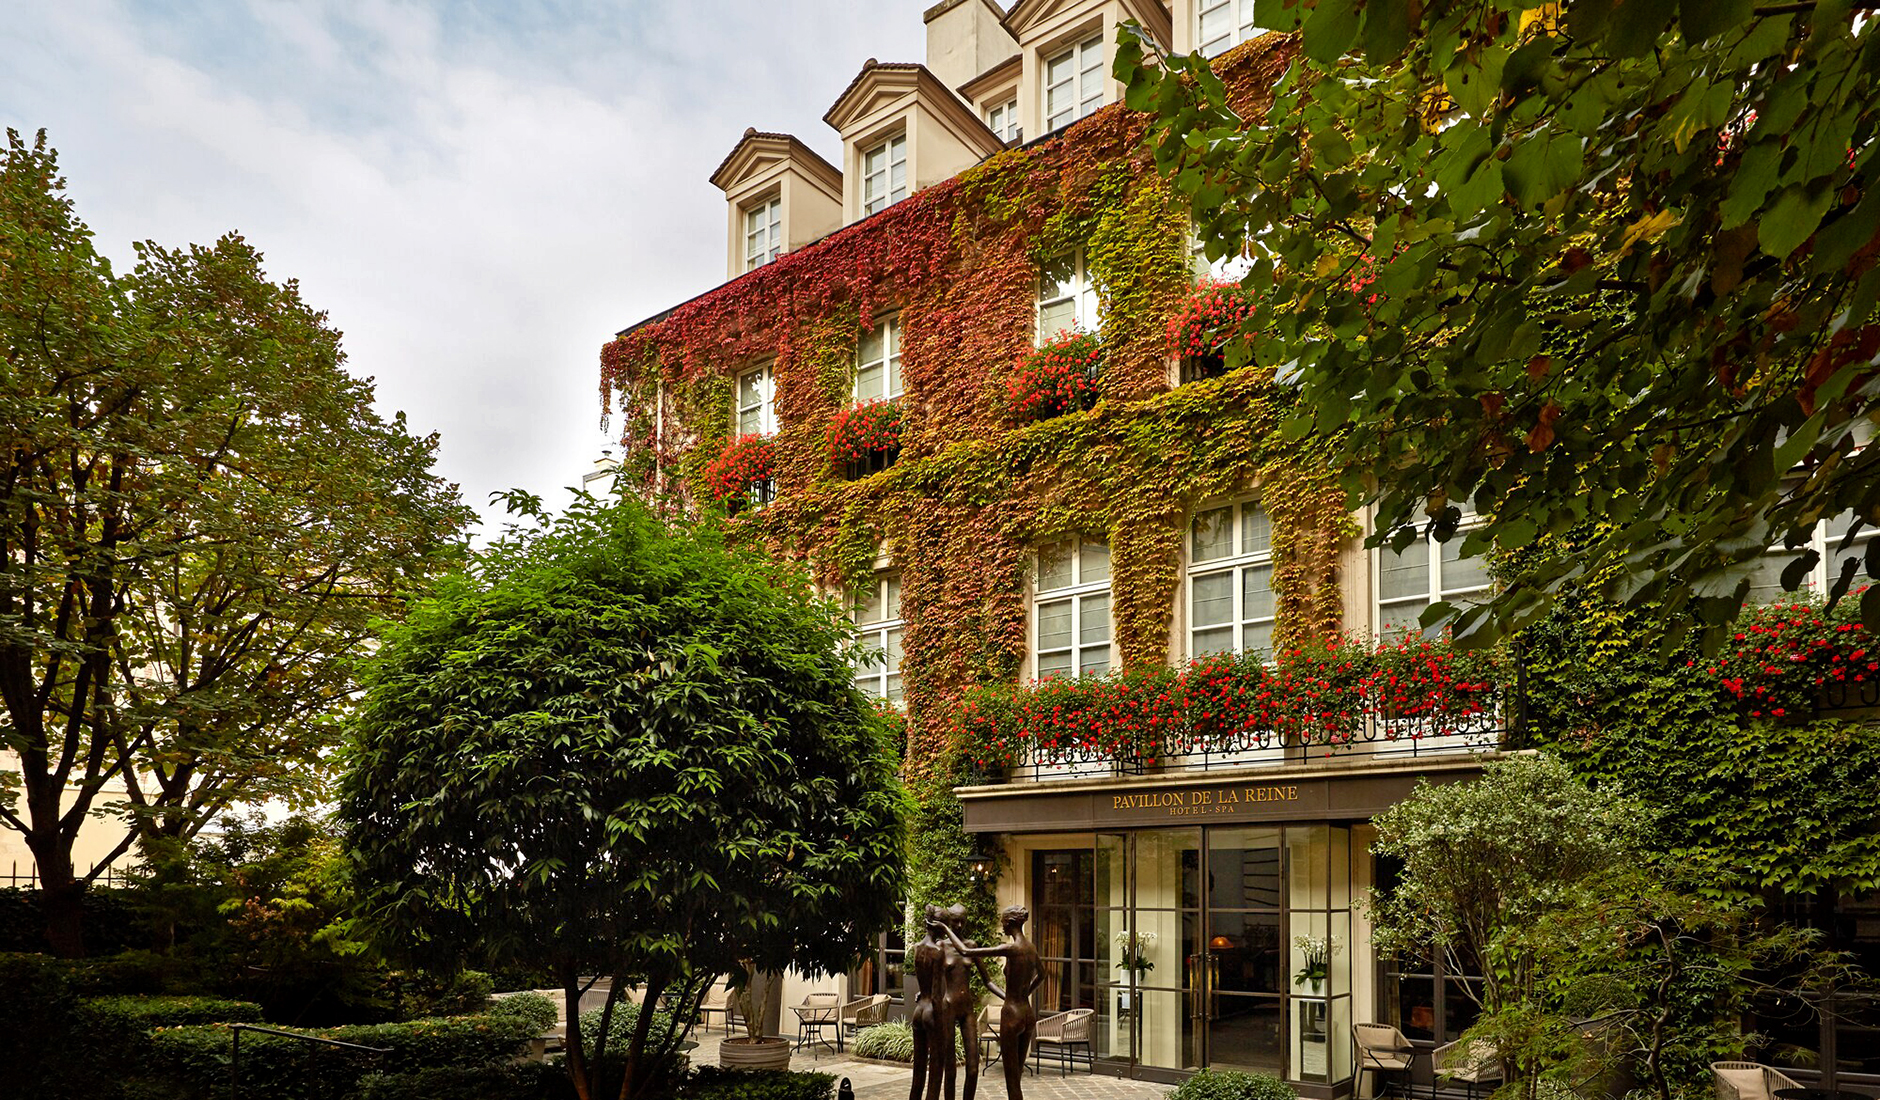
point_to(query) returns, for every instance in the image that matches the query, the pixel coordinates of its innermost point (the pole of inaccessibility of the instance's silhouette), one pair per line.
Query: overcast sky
(480, 193)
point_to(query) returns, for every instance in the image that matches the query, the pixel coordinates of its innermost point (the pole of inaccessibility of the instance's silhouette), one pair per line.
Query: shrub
(529, 1005)
(1212, 1084)
(194, 1061)
(712, 1083)
(664, 1060)
(894, 1042)
(1057, 378)
(35, 1019)
(516, 1081)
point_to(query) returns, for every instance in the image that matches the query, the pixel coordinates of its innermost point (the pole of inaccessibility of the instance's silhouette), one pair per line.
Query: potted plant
(1058, 377)
(865, 439)
(1215, 315)
(1315, 955)
(759, 997)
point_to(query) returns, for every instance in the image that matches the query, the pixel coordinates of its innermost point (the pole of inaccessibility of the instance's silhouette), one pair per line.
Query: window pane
(868, 346)
(1057, 317)
(1401, 618)
(750, 422)
(1054, 624)
(1093, 619)
(1765, 582)
(750, 390)
(1257, 637)
(1256, 592)
(1215, 640)
(1405, 574)
(1213, 602)
(865, 605)
(868, 383)
(1055, 664)
(1054, 566)
(1256, 530)
(893, 648)
(894, 687)
(1461, 573)
(1213, 534)
(894, 597)
(1095, 662)
(1093, 562)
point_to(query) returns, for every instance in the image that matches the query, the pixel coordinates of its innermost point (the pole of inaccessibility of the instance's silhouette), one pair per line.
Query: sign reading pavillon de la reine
(1200, 802)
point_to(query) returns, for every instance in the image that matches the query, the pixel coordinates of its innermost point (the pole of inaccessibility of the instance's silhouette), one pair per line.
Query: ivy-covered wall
(974, 490)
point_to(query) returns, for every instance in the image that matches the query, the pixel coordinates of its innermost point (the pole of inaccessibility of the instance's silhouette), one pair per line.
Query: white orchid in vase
(1135, 946)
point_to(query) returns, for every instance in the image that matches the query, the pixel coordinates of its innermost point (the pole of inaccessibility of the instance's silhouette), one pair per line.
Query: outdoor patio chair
(725, 1005)
(1383, 1049)
(1471, 1063)
(865, 1012)
(988, 1035)
(1064, 1032)
(1749, 1080)
(818, 1011)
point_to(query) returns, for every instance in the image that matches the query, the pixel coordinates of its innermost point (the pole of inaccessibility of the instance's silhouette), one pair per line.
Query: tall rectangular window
(1003, 121)
(1765, 585)
(1230, 580)
(1067, 297)
(884, 174)
(878, 361)
(1071, 612)
(1073, 83)
(876, 610)
(1225, 24)
(763, 233)
(1425, 572)
(757, 410)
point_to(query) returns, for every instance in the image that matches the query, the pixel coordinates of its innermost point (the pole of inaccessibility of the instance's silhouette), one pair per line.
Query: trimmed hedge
(193, 1062)
(713, 1083)
(1212, 1084)
(516, 1081)
(529, 1005)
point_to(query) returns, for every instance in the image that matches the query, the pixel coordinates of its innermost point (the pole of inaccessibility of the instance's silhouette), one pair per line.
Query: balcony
(1327, 703)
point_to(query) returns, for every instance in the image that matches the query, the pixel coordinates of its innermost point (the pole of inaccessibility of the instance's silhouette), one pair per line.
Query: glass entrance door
(1245, 956)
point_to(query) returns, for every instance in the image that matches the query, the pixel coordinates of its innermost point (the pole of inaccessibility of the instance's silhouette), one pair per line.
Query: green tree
(1485, 860)
(1566, 262)
(610, 748)
(200, 516)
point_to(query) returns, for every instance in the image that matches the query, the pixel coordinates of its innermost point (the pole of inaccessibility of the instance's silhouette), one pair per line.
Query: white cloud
(480, 196)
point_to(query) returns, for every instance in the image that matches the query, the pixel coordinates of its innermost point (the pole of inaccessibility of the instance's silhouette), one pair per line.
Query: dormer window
(757, 409)
(763, 233)
(1225, 24)
(878, 362)
(1073, 83)
(1003, 120)
(884, 174)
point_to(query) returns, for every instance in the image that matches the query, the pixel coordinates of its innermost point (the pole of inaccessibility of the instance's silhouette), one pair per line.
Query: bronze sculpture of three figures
(944, 1005)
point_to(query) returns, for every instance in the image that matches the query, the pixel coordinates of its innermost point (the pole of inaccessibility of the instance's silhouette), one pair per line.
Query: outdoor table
(810, 1023)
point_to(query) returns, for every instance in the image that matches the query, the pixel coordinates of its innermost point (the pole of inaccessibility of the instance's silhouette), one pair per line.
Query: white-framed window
(763, 233)
(1230, 580)
(1071, 611)
(1067, 298)
(1765, 584)
(757, 408)
(1426, 572)
(876, 610)
(878, 361)
(1003, 120)
(1224, 24)
(1073, 83)
(884, 174)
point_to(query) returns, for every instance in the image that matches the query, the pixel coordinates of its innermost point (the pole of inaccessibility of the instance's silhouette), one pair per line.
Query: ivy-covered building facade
(1153, 683)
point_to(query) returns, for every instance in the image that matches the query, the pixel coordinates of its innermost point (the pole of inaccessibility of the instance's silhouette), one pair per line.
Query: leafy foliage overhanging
(1617, 262)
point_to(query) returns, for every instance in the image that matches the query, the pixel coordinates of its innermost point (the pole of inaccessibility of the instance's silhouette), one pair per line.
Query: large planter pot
(742, 1053)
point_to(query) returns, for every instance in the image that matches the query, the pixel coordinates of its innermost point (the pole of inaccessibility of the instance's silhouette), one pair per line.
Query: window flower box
(1788, 661)
(865, 439)
(1059, 377)
(743, 474)
(1215, 315)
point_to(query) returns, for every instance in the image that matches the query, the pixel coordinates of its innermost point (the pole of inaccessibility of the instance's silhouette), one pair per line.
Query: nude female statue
(944, 1001)
(1023, 974)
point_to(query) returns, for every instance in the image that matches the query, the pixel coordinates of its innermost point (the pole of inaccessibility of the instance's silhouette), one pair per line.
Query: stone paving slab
(874, 1081)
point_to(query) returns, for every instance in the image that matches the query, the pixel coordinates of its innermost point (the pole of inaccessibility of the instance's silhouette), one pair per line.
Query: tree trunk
(62, 901)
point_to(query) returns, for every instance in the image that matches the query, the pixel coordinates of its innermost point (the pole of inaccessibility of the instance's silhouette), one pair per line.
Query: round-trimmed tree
(615, 748)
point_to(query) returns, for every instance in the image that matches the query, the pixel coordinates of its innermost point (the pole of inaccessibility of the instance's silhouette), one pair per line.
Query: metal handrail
(235, 1050)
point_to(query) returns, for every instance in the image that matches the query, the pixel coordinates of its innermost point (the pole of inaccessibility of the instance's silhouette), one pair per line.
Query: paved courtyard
(878, 1082)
